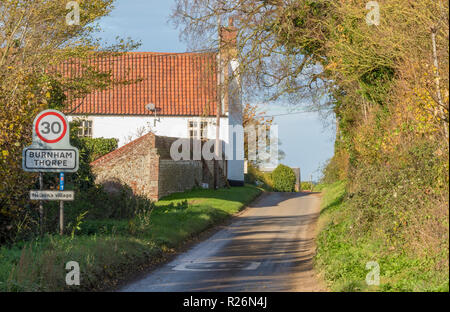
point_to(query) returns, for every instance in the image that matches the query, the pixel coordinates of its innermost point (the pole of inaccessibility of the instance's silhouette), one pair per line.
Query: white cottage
(171, 94)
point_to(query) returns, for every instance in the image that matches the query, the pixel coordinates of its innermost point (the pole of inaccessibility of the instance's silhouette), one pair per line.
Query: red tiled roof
(179, 84)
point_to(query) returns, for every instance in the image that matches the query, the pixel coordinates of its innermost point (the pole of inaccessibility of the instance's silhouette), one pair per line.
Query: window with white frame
(85, 128)
(198, 129)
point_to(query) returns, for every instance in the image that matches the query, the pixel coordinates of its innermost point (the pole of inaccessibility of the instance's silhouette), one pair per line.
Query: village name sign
(51, 151)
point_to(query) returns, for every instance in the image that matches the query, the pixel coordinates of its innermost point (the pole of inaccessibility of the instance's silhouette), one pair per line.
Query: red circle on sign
(57, 139)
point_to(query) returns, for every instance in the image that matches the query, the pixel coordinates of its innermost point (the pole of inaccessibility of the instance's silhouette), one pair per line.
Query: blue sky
(304, 138)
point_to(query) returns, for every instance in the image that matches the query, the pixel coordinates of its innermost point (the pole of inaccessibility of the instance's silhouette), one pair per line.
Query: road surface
(268, 247)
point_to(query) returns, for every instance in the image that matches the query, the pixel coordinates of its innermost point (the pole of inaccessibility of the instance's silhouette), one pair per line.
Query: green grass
(109, 250)
(342, 257)
(182, 215)
(40, 265)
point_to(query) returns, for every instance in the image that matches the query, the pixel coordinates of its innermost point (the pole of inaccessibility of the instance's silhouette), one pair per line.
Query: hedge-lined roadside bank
(343, 253)
(109, 250)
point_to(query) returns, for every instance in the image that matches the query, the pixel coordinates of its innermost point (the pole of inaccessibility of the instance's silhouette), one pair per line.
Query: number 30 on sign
(51, 127)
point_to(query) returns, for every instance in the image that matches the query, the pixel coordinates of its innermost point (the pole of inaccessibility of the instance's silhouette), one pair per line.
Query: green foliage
(39, 265)
(336, 168)
(284, 179)
(76, 226)
(98, 206)
(104, 227)
(98, 147)
(293, 27)
(343, 251)
(140, 223)
(307, 186)
(90, 149)
(375, 84)
(409, 197)
(257, 177)
(389, 147)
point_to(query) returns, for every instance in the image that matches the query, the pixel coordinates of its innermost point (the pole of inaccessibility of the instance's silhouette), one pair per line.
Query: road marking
(216, 266)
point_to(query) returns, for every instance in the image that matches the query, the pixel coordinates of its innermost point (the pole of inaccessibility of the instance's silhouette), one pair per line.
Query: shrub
(97, 204)
(336, 168)
(90, 149)
(98, 147)
(252, 175)
(284, 179)
(257, 177)
(307, 186)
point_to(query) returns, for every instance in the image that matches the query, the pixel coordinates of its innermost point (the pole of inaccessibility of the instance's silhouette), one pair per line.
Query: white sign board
(52, 195)
(61, 160)
(51, 150)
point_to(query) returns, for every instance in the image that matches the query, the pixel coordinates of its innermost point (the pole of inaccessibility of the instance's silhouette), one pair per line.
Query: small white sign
(52, 195)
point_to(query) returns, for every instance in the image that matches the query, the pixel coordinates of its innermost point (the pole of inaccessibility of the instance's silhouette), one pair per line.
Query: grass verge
(109, 250)
(342, 257)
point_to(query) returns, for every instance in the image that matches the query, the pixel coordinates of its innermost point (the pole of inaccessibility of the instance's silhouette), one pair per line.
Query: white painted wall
(128, 128)
(236, 165)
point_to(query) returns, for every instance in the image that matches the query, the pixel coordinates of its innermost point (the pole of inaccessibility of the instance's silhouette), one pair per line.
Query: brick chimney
(228, 41)
(228, 52)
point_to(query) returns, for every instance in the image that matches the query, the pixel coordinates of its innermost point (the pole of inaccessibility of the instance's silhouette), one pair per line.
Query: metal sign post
(51, 151)
(41, 204)
(61, 204)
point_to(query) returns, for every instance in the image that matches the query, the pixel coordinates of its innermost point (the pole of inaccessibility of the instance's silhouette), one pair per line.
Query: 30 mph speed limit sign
(51, 127)
(51, 150)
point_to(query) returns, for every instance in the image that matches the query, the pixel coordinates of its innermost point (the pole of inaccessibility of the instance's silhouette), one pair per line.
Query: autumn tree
(269, 61)
(385, 81)
(35, 38)
(326, 53)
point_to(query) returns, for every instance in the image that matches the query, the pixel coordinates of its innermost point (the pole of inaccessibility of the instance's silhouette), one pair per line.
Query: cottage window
(198, 129)
(85, 128)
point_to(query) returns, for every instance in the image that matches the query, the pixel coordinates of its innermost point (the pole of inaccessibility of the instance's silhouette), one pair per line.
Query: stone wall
(178, 176)
(208, 173)
(135, 165)
(145, 166)
(182, 175)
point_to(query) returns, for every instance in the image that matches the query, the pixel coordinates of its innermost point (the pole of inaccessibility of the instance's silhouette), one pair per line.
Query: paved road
(269, 247)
